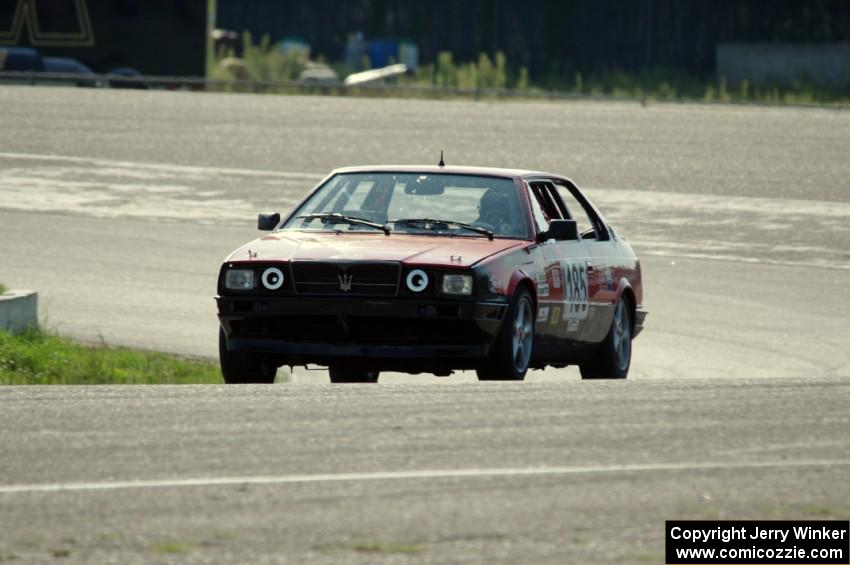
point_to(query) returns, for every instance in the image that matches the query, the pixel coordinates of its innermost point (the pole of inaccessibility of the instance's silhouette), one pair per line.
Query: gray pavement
(588, 513)
(118, 206)
(694, 149)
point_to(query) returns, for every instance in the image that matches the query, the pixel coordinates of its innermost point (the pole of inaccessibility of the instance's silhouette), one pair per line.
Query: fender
(623, 287)
(519, 277)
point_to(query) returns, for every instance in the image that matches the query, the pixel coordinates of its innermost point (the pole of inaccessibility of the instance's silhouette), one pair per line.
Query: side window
(540, 217)
(544, 196)
(542, 206)
(585, 222)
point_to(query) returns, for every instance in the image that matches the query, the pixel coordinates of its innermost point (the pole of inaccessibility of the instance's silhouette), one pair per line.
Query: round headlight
(417, 280)
(272, 278)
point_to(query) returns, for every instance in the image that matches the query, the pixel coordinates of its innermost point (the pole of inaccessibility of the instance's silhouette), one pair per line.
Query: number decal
(575, 291)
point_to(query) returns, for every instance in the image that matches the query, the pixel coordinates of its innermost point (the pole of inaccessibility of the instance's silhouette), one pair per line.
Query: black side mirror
(268, 222)
(560, 230)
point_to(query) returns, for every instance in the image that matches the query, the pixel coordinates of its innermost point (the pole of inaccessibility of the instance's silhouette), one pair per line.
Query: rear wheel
(509, 361)
(614, 357)
(239, 367)
(352, 375)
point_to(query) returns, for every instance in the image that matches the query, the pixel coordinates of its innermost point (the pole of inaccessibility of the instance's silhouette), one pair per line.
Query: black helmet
(495, 208)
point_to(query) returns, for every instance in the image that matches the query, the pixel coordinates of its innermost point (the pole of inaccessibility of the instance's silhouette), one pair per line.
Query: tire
(350, 375)
(512, 354)
(239, 367)
(614, 356)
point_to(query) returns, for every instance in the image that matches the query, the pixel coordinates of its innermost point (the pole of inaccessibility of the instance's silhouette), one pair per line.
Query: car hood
(418, 249)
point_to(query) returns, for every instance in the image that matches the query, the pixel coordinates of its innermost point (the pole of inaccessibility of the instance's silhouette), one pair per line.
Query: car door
(602, 263)
(562, 278)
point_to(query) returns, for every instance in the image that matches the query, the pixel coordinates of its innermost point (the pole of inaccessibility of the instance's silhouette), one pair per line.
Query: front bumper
(318, 329)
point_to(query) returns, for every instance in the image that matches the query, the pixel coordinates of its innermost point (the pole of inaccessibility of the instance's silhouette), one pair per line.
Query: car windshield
(432, 204)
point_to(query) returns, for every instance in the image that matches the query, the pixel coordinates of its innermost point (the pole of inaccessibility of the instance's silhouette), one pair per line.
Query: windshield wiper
(430, 222)
(336, 218)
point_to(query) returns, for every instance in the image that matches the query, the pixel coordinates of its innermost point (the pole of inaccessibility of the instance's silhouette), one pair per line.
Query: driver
(494, 211)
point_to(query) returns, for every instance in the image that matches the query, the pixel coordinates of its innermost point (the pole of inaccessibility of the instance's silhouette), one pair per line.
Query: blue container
(383, 52)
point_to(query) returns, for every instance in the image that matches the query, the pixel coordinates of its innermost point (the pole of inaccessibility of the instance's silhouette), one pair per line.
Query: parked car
(432, 269)
(69, 66)
(126, 77)
(21, 59)
(51, 70)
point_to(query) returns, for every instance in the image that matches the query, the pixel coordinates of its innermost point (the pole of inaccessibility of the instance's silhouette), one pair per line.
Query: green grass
(673, 85)
(175, 547)
(495, 78)
(3, 288)
(38, 357)
(387, 547)
(373, 546)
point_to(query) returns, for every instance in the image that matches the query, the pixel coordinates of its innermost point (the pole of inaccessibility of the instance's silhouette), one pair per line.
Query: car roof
(447, 170)
(65, 65)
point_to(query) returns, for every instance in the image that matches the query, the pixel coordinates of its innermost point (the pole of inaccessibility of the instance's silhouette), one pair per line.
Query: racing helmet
(495, 208)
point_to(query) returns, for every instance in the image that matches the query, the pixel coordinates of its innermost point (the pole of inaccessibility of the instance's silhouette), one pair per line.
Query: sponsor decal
(572, 325)
(556, 277)
(542, 313)
(607, 279)
(542, 290)
(556, 316)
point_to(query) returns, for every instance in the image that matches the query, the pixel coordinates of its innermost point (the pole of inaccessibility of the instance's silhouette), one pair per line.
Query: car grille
(351, 279)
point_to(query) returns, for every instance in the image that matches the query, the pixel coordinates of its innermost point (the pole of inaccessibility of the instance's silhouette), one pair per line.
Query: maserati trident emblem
(344, 282)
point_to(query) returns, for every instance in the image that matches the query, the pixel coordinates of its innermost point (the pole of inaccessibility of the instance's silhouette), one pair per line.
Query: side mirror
(560, 230)
(268, 222)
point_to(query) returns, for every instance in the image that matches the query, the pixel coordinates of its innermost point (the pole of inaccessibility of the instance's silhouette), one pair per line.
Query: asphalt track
(118, 206)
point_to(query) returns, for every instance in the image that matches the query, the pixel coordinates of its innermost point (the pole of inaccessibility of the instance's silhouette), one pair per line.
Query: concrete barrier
(18, 310)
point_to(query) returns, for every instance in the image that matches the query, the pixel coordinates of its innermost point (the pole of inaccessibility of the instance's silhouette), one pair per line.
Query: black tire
(614, 357)
(352, 375)
(512, 354)
(239, 367)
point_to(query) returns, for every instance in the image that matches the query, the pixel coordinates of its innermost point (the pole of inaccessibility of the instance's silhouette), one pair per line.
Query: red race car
(432, 269)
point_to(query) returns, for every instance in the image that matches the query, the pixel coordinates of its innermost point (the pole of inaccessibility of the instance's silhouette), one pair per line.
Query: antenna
(441, 163)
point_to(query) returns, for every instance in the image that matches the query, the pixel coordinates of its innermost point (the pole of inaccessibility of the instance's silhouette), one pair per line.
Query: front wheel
(239, 367)
(352, 375)
(614, 357)
(509, 361)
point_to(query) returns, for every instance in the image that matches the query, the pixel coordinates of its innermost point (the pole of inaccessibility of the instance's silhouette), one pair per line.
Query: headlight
(457, 284)
(239, 279)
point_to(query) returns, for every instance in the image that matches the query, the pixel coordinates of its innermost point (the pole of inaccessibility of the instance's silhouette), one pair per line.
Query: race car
(432, 269)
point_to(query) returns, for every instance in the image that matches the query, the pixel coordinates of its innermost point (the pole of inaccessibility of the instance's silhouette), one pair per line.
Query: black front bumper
(322, 330)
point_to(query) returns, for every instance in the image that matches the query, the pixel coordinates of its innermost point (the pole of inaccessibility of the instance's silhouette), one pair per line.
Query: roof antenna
(441, 163)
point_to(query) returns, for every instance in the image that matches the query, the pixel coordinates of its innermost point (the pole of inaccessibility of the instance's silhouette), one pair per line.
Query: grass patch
(3, 288)
(38, 357)
(174, 547)
(387, 548)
